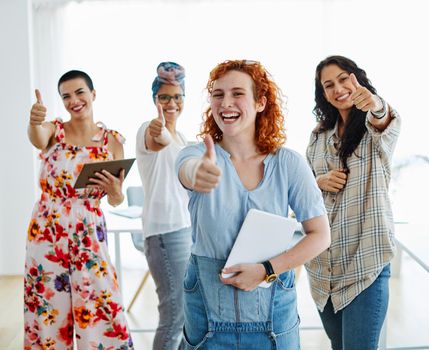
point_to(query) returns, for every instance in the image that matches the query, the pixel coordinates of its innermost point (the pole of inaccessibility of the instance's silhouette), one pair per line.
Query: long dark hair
(327, 115)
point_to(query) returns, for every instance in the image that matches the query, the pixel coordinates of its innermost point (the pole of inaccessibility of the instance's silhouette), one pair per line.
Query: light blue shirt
(217, 216)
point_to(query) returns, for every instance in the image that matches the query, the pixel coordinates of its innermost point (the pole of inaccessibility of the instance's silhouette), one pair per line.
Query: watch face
(271, 278)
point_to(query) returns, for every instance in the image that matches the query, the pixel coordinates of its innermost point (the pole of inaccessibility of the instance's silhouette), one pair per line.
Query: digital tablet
(112, 166)
(262, 236)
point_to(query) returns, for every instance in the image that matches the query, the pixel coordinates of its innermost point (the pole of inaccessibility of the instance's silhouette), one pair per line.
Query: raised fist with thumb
(157, 128)
(202, 174)
(207, 174)
(38, 111)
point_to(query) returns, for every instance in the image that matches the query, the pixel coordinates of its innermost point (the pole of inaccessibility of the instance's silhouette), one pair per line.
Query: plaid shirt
(360, 215)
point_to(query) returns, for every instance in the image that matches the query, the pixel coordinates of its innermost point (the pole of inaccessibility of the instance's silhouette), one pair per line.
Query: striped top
(360, 215)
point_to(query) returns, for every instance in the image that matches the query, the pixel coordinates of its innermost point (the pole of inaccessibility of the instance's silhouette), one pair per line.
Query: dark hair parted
(269, 130)
(76, 74)
(327, 115)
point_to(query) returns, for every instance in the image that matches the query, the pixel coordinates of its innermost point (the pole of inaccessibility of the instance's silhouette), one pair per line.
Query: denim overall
(222, 317)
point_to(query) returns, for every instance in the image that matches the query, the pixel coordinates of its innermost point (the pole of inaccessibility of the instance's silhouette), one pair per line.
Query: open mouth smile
(77, 109)
(230, 117)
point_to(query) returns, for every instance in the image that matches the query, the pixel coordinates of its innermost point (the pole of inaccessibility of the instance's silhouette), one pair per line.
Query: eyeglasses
(164, 98)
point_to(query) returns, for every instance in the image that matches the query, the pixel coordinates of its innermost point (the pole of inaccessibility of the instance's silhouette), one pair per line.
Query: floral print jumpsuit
(70, 283)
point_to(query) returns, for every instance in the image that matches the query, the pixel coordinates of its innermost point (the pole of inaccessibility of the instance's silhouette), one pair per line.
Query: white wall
(128, 39)
(387, 38)
(17, 190)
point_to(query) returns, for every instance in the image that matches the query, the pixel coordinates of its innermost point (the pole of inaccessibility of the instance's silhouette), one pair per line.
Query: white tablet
(261, 237)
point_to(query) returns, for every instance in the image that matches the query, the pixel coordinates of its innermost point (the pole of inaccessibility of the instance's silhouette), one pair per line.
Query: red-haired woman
(242, 165)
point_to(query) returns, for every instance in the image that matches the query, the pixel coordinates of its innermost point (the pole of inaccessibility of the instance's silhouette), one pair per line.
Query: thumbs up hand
(157, 128)
(156, 125)
(38, 111)
(207, 172)
(363, 99)
(210, 154)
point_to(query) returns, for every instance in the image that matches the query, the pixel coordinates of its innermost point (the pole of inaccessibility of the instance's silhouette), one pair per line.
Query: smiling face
(233, 104)
(77, 97)
(337, 88)
(173, 108)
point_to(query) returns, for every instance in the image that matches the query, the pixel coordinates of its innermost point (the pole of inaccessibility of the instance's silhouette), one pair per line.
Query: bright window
(120, 43)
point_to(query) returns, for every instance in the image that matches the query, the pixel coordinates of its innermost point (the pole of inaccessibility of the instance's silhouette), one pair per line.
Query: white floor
(408, 315)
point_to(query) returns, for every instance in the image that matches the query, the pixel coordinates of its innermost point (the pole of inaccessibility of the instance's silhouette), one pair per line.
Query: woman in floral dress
(70, 283)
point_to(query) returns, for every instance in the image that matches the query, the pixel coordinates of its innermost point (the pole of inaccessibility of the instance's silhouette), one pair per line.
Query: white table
(118, 225)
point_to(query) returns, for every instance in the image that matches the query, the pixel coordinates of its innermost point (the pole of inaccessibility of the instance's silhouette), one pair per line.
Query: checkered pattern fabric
(360, 215)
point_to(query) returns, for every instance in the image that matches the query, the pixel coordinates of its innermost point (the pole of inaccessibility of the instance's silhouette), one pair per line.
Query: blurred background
(119, 43)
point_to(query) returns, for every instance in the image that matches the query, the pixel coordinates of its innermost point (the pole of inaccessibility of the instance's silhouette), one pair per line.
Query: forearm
(116, 148)
(319, 181)
(39, 136)
(188, 172)
(380, 120)
(315, 242)
(115, 199)
(151, 144)
(323, 185)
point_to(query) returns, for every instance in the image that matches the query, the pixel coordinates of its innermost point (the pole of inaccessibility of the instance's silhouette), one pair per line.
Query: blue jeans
(358, 325)
(167, 256)
(222, 317)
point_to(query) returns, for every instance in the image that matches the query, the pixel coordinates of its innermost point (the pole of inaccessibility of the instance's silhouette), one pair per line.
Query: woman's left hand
(363, 99)
(112, 185)
(247, 276)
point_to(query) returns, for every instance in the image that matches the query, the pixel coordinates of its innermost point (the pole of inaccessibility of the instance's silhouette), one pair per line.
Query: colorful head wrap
(169, 73)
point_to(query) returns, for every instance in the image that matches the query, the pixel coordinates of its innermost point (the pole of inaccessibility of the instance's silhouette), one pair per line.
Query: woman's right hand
(157, 128)
(332, 181)
(38, 111)
(39, 132)
(201, 174)
(156, 125)
(208, 173)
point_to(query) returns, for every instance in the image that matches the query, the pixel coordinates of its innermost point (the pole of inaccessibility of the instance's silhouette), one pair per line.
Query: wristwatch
(271, 276)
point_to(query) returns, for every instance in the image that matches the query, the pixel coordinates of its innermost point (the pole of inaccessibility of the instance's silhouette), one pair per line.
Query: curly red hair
(270, 133)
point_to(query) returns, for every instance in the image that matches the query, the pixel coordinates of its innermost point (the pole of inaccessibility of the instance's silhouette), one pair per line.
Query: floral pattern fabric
(70, 283)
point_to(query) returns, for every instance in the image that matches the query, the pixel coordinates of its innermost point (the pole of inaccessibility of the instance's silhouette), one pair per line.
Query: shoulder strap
(59, 130)
(103, 134)
(119, 137)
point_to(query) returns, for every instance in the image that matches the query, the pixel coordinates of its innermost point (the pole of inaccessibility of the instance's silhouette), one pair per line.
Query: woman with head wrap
(166, 221)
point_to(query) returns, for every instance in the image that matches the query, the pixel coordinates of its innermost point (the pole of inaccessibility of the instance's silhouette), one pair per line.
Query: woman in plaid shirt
(350, 154)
